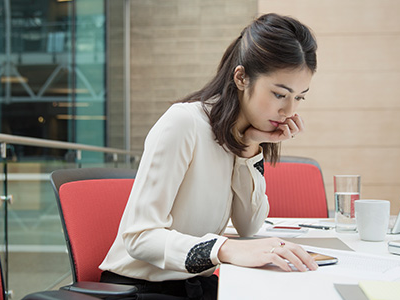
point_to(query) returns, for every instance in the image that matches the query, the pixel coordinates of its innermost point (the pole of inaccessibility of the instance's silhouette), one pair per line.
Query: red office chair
(91, 203)
(295, 188)
(91, 207)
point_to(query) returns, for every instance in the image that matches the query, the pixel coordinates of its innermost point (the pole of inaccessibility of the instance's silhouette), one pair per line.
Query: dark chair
(91, 202)
(45, 295)
(58, 295)
(295, 188)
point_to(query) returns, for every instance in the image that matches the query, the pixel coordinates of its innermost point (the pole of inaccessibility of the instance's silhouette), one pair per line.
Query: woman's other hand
(260, 252)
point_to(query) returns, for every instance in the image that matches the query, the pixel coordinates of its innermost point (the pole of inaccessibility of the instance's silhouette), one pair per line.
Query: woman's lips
(275, 123)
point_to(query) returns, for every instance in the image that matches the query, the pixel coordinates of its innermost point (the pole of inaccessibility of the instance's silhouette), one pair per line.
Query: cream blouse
(186, 189)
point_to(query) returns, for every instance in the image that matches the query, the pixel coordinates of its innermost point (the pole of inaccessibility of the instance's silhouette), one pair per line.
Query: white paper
(270, 282)
(360, 265)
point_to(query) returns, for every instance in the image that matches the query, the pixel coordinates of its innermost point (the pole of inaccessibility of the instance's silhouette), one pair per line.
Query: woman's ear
(239, 76)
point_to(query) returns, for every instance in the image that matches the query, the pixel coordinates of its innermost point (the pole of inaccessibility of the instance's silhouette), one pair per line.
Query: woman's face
(274, 98)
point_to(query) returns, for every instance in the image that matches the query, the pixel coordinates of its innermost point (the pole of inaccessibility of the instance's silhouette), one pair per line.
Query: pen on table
(268, 222)
(315, 226)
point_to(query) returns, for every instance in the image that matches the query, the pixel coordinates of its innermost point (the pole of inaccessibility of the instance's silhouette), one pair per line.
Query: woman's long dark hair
(270, 43)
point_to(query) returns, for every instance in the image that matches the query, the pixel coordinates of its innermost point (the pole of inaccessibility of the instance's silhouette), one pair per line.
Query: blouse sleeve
(147, 218)
(250, 203)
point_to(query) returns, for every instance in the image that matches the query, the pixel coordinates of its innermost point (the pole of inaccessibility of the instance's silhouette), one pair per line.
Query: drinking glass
(347, 190)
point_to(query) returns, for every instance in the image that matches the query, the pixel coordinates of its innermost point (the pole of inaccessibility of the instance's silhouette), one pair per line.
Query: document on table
(263, 232)
(360, 265)
(330, 242)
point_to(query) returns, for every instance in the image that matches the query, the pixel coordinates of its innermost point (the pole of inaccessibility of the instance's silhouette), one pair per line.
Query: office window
(53, 73)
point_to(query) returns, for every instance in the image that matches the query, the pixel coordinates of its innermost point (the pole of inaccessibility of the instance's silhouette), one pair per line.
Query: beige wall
(351, 109)
(175, 49)
(352, 112)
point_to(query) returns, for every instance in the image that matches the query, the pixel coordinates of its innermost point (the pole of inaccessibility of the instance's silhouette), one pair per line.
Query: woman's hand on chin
(253, 137)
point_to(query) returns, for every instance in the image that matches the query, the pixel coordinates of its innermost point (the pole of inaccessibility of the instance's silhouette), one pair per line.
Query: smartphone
(394, 247)
(322, 259)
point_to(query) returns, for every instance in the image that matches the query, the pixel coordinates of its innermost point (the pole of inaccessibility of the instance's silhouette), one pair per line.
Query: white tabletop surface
(351, 239)
(271, 283)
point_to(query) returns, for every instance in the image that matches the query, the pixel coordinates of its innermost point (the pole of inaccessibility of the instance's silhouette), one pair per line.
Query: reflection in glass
(52, 71)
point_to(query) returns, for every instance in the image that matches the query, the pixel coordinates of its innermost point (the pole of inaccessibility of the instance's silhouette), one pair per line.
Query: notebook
(380, 290)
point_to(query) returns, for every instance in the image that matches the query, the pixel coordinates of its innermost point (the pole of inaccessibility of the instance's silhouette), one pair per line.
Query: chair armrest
(58, 295)
(102, 289)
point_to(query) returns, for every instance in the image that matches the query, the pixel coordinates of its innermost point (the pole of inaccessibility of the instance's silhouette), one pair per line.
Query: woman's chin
(267, 128)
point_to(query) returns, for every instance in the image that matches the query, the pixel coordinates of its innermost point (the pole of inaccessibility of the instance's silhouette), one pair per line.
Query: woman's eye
(299, 98)
(278, 96)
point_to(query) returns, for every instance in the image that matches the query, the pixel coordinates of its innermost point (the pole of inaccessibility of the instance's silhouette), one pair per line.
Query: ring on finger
(282, 244)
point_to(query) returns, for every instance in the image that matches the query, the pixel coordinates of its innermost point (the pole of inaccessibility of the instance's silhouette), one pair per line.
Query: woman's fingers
(294, 254)
(287, 254)
(306, 258)
(286, 132)
(294, 129)
(300, 259)
(291, 127)
(280, 262)
(299, 121)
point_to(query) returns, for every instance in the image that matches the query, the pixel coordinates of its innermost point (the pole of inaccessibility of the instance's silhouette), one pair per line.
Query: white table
(271, 283)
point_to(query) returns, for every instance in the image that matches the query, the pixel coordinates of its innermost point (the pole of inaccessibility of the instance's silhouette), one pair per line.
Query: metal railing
(36, 142)
(31, 222)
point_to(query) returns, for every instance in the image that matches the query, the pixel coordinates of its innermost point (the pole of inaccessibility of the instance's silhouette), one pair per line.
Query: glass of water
(347, 190)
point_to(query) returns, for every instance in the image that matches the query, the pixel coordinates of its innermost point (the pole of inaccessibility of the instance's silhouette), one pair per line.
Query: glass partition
(34, 254)
(53, 73)
(54, 84)
(88, 59)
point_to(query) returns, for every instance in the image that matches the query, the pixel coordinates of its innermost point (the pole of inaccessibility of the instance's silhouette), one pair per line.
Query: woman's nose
(287, 110)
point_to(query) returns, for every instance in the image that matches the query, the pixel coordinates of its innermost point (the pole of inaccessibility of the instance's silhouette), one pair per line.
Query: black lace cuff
(198, 258)
(260, 166)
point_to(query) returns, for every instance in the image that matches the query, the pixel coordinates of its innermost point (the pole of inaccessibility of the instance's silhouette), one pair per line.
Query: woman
(203, 164)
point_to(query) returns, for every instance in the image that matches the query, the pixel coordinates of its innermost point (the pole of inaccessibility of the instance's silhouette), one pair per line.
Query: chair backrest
(91, 202)
(295, 188)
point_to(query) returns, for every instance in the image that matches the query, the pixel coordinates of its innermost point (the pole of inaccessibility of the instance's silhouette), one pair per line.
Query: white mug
(372, 217)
